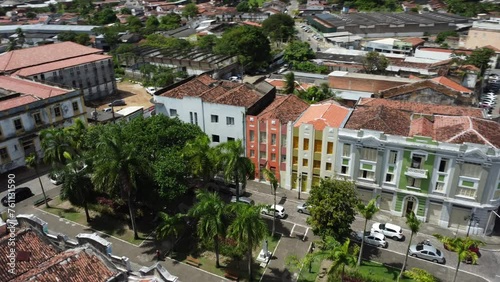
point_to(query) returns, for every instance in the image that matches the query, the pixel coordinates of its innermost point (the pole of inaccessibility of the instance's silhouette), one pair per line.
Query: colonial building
(312, 148)
(441, 162)
(26, 107)
(218, 107)
(267, 134)
(67, 63)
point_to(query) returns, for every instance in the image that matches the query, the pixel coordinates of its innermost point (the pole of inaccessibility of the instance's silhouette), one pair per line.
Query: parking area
(132, 93)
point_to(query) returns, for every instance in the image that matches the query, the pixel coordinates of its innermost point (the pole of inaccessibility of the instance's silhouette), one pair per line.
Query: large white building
(26, 107)
(217, 107)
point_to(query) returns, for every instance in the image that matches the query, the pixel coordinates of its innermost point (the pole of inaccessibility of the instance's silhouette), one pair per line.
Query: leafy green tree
(414, 224)
(462, 247)
(126, 11)
(248, 43)
(481, 58)
(236, 166)
(31, 15)
(55, 142)
(190, 10)
(207, 42)
(170, 21)
(367, 211)
(134, 24)
(298, 51)
(117, 165)
(289, 83)
(441, 37)
(279, 27)
(420, 275)
(72, 36)
(273, 181)
(160, 41)
(375, 63)
(316, 94)
(104, 17)
(332, 209)
(243, 7)
(201, 157)
(170, 174)
(310, 67)
(248, 229)
(32, 162)
(152, 23)
(210, 210)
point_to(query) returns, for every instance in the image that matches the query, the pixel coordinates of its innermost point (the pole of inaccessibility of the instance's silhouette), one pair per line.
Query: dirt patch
(133, 94)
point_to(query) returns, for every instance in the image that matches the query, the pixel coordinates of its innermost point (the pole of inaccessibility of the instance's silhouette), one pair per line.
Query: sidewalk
(492, 242)
(143, 255)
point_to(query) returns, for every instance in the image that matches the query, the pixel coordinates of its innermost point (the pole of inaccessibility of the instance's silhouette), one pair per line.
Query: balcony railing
(416, 173)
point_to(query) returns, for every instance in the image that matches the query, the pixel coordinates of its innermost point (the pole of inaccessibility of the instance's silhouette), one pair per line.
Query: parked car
(372, 238)
(280, 211)
(151, 90)
(20, 194)
(243, 200)
(219, 184)
(427, 252)
(115, 103)
(108, 110)
(390, 230)
(303, 208)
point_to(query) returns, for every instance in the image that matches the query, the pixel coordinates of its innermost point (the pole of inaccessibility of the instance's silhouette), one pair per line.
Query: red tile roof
(61, 64)
(451, 84)
(30, 91)
(27, 240)
(75, 265)
(323, 115)
(285, 108)
(215, 91)
(421, 108)
(23, 58)
(414, 41)
(382, 118)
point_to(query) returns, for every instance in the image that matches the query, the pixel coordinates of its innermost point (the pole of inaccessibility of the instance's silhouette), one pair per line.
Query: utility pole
(300, 185)
(471, 218)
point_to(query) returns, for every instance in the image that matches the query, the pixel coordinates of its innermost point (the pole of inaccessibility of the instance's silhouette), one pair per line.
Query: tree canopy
(279, 27)
(82, 39)
(298, 51)
(249, 43)
(190, 10)
(333, 207)
(375, 63)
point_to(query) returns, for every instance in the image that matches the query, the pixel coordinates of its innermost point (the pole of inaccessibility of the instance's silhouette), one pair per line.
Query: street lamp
(299, 176)
(471, 218)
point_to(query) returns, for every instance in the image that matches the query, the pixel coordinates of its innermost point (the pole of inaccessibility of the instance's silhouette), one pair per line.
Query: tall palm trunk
(456, 270)
(249, 255)
(342, 275)
(86, 208)
(362, 243)
(216, 246)
(406, 257)
(128, 190)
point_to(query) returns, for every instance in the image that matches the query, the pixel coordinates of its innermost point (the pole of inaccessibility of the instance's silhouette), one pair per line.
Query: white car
(371, 238)
(303, 208)
(389, 230)
(280, 211)
(151, 90)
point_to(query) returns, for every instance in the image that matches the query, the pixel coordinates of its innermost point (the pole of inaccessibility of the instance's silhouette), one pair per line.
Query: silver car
(243, 200)
(303, 208)
(372, 238)
(427, 252)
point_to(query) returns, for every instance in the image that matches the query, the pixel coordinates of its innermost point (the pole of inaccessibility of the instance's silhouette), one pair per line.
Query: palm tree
(367, 211)
(169, 225)
(247, 229)
(341, 255)
(289, 83)
(55, 141)
(201, 157)
(274, 185)
(210, 211)
(76, 133)
(117, 165)
(461, 246)
(414, 225)
(32, 162)
(77, 185)
(235, 164)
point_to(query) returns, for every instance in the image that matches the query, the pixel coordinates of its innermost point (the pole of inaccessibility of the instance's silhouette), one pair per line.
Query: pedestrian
(157, 255)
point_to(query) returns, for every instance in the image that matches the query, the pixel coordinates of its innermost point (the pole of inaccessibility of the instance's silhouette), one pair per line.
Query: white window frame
(229, 120)
(394, 166)
(408, 186)
(345, 157)
(445, 173)
(173, 112)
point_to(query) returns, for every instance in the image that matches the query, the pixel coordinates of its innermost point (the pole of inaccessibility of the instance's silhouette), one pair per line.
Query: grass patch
(105, 223)
(382, 272)
(306, 276)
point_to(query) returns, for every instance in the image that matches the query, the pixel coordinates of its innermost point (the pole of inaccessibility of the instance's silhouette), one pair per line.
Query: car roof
(278, 207)
(378, 235)
(392, 226)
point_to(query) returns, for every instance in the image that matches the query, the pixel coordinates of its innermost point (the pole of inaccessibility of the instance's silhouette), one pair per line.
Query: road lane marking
(291, 232)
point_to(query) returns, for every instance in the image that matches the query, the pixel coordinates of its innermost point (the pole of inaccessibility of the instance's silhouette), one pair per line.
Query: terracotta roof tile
(242, 96)
(421, 126)
(285, 108)
(61, 64)
(451, 84)
(421, 108)
(22, 58)
(414, 41)
(323, 115)
(386, 119)
(26, 240)
(75, 265)
(194, 88)
(24, 86)
(466, 129)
